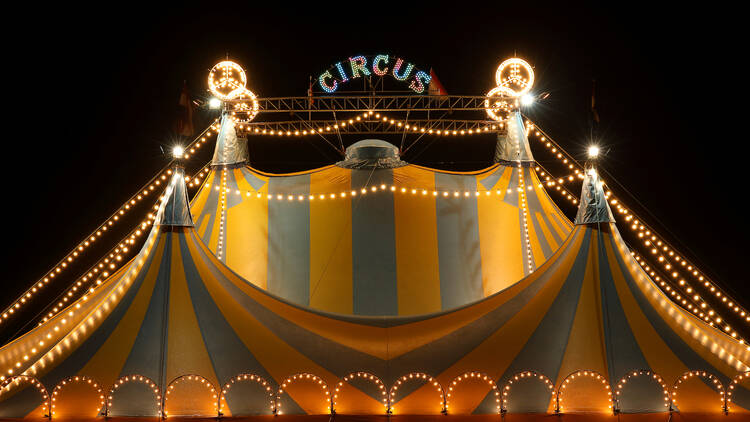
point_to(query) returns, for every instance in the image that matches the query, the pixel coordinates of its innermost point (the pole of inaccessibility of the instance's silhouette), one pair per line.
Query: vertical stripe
(289, 239)
(458, 241)
(246, 239)
(373, 246)
(416, 244)
(331, 237)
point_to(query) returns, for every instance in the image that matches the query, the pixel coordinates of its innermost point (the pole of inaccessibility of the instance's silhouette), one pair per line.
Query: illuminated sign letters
(380, 65)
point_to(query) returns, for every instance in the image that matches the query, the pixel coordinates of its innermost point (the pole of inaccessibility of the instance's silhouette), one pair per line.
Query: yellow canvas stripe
(276, 356)
(500, 243)
(331, 243)
(536, 247)
(106, 364)
(200, 198)
(186, 351)
(586, 348)
(550, 207)
(417, 268)
(369, 339)
(247, 233)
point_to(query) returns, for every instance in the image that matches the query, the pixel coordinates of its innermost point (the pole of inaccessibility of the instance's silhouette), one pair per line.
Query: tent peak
(593, 207)
(175, 205)
(230, 149)
(514, 145)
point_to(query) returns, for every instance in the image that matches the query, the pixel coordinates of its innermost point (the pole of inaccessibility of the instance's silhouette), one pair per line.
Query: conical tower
(513, 145)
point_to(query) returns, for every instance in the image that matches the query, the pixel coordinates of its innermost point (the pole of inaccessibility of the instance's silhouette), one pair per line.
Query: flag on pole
(185, 118)
(435, 87)
(310, 100)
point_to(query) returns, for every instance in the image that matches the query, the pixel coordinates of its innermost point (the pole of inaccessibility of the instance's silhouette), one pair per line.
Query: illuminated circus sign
(379, 65)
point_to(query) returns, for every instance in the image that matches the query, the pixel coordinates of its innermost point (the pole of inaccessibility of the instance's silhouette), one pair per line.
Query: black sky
(89, 101)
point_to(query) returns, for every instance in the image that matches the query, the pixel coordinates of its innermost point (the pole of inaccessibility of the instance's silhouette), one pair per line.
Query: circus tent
(384, 238)
(178, 330)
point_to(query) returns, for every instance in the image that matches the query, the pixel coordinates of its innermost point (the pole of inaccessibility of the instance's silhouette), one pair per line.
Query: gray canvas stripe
(459, 256)
(490, 181)
(252, 179)
(511, 193)
(289, 239)
(535, 206)
(375, 288)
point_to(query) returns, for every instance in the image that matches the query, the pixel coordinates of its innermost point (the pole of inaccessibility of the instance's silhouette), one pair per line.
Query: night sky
(89, 104)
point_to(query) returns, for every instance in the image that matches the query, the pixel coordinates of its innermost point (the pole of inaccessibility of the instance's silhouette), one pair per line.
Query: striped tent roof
(379, 241)
(177, 328)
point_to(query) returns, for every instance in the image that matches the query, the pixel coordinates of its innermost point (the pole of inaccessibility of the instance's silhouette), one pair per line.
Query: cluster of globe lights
(227, 81)
(514, 78)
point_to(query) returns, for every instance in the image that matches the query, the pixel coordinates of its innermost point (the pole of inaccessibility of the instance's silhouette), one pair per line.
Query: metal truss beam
(371, 102)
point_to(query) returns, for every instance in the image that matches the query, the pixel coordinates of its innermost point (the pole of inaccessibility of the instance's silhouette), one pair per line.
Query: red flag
(185, 119)
(435, 87)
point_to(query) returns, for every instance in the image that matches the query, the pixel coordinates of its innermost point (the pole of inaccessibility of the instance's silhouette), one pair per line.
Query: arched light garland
(190, 377)
(468, 376)
(582, 373)
(732, 385)
(368, 116)
(526, 375)
(251, 378)
(143, 193)
(706, 376)
(366, 376)
(134, 378)
(299, 377)
(642, 372)
(76, 379)
(658, 246)
(17, 379)
(416, 376)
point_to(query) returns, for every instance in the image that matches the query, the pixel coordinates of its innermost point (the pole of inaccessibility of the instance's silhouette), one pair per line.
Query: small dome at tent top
(371, 153)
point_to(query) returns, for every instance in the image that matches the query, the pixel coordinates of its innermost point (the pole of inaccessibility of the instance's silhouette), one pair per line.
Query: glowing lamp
(214, 103)
(178, 151)
(527, 100)
(593, 151)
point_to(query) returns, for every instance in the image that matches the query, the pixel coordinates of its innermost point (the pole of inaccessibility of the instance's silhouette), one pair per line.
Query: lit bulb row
(77, 252)
(706, 376)
(525, 220)
(472, 375)
(180, 379)
(110, 262)
(79, 332)
(416, 376)
(589, 374)
(524, 375)
(369, 116)
(690, 301)
(299, 377)
(366, 376)
(634, 374)
(75, 379)
(699, 309)
(643, 230)
(223, 214)
(372, 189)
(134, 378)
(247, 377)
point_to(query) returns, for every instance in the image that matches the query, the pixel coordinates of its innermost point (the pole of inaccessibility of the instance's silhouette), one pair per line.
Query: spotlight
(593, 151)
(527, 100)
(178, 151)
(214, 103)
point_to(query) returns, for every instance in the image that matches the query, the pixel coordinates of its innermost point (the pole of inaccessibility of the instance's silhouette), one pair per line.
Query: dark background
(90, 99)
